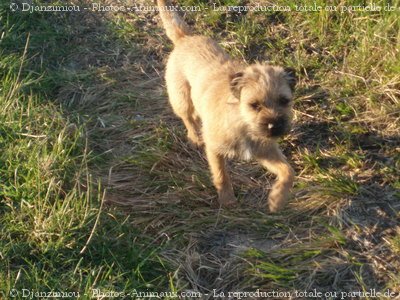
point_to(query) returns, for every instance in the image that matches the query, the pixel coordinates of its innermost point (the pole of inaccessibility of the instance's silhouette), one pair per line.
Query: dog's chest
(242, 149)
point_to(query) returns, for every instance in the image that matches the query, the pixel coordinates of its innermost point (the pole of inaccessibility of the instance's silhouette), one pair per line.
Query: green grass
(55, 231)
(99, 188)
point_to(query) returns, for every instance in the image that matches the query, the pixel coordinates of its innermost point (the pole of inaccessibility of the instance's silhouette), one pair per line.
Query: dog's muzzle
(276, 127)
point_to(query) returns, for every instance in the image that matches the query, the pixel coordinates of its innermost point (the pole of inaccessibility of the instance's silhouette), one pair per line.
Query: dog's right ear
(290, 75)
(236, 84)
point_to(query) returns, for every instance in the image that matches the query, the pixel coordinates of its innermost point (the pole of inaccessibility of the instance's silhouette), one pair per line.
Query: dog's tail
(175, 27)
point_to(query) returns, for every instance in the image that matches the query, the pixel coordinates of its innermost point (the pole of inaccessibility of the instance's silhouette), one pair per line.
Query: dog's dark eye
(283, 101)
(255, 106)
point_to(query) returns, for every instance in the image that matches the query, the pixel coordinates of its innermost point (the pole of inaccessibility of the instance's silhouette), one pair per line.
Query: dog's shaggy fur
(235, 110)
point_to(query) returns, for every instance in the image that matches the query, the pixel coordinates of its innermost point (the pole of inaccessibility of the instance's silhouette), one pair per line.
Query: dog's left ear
(290, 76)
(236, 86)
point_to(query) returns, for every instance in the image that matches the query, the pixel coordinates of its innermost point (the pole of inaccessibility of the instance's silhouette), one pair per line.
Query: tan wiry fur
(236, 111)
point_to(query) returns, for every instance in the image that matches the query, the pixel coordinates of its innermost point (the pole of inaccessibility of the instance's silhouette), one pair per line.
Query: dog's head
(264, 94)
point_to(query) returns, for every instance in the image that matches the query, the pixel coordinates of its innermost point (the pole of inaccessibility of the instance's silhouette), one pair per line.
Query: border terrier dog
(235, 110)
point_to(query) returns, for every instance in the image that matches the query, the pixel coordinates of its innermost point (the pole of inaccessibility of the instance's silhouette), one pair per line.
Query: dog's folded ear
(236, 84)
(290, 76)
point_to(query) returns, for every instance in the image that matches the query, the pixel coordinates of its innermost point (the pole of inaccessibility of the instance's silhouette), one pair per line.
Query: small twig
(33, 135)
(353, 75)
(311, 116)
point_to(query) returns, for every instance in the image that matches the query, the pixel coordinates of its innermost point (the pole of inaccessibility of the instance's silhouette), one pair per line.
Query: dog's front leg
(221, 179)
(276, 163)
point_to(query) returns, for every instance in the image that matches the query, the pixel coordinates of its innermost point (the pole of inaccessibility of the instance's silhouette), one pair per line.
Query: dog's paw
(228, 203)
(277, 199)
(198, 144)
(227, 199)
(195, 140)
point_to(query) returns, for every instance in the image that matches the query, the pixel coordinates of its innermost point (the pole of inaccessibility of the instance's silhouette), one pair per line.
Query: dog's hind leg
(181, 102)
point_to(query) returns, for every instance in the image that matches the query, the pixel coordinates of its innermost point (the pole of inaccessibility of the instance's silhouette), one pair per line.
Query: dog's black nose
(276, 127)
